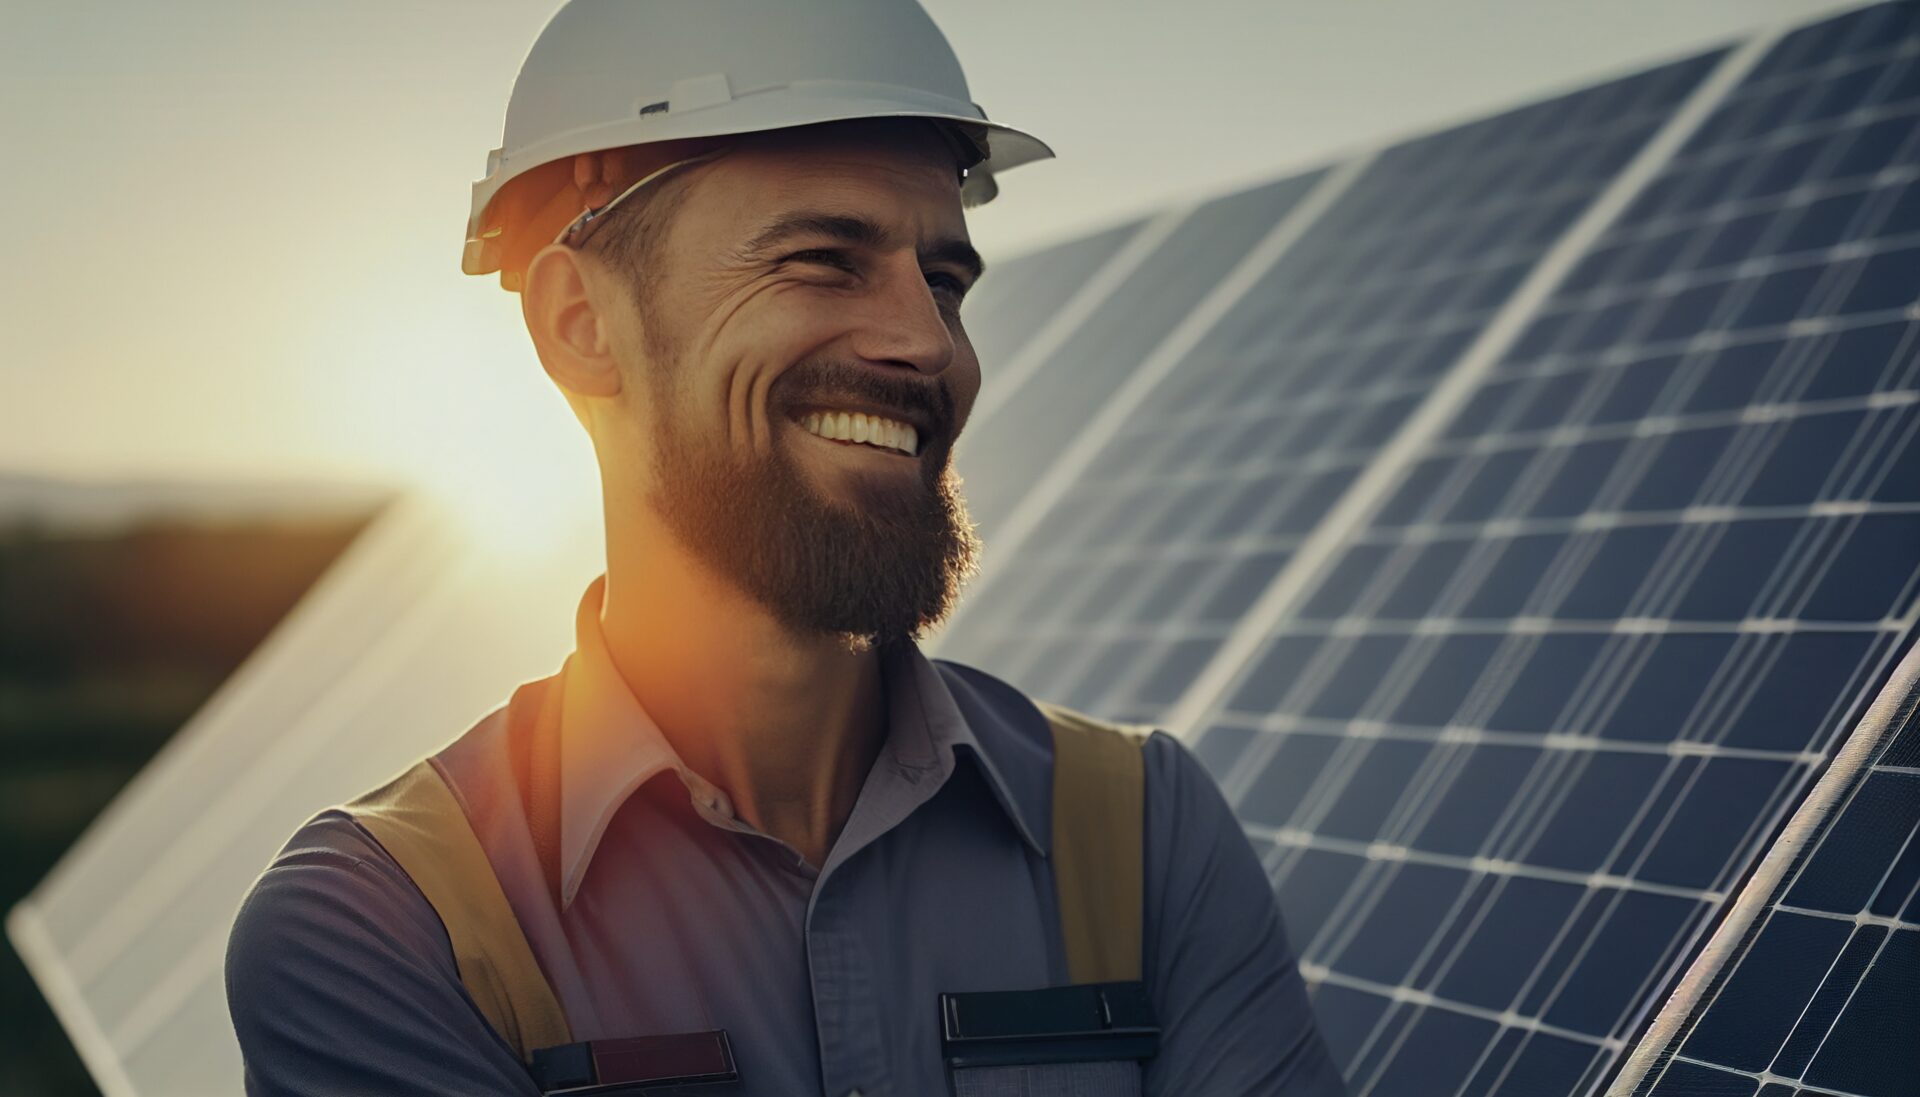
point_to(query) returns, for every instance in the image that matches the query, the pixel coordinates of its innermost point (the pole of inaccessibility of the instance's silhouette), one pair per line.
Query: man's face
(806, 282)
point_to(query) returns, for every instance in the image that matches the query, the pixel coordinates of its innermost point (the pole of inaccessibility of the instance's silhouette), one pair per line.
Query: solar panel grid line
(1893, 703)
(1798, 1089)
(1292, 582)
(1424, 999)
(175, 870)
(1038, 350)
(1862, 919)
(1467, 736)
(45, 961)
(1780, 413)
(1551, 365)
(1299, 838)
(1047, 491)
(1543, 626)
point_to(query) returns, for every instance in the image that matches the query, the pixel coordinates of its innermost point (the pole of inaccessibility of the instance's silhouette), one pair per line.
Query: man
(765, 811)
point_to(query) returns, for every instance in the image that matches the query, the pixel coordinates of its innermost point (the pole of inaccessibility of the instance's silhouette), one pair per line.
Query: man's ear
(570, 330)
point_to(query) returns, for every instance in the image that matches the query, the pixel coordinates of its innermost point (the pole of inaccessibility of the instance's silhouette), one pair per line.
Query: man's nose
(903, 324)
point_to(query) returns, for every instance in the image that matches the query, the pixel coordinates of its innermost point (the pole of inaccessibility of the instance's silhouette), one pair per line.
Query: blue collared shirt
(656, 910)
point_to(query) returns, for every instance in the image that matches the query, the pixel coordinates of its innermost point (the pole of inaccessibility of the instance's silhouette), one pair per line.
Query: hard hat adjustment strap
(578, 230)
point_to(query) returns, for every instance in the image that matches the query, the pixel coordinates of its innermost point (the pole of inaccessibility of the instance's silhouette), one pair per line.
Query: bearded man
(748, 835)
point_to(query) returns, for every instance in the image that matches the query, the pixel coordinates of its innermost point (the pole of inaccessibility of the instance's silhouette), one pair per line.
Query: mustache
(925, 401)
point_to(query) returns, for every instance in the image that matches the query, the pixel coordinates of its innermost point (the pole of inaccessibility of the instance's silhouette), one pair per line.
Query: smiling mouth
(861, 429)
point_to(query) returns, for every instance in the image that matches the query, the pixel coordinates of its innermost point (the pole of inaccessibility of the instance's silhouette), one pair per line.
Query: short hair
(629, 240)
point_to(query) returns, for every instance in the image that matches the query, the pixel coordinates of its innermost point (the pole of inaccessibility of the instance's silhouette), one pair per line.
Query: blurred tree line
(109, 641)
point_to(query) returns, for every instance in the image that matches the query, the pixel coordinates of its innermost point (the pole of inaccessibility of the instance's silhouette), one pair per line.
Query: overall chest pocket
(1086, 1040)
(1110, 1078)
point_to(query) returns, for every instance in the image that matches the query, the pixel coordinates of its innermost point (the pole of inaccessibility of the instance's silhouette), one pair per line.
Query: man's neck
(787, 725)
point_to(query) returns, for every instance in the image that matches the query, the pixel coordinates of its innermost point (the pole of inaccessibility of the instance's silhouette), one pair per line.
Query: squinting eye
(952, 284)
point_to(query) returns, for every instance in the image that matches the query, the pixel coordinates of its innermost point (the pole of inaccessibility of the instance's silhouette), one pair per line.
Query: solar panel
(1517, 519)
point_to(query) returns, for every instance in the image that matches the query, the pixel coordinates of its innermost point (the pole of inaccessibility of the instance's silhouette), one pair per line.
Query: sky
(233, 228)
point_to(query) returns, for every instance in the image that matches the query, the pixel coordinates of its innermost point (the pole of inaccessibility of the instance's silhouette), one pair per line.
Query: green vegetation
(108, 643)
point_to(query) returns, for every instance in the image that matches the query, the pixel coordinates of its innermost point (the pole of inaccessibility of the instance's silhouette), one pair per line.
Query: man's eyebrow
(860, 232)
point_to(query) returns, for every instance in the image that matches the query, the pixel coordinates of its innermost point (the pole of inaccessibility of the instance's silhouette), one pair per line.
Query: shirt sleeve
(341, 980)
(1232, 1007)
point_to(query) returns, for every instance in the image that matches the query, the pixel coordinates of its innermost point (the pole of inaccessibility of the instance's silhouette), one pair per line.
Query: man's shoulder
(340, 978)
(330, 901)
(333, 885)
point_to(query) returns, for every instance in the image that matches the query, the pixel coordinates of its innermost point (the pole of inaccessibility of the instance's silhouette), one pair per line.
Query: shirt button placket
(844, 993)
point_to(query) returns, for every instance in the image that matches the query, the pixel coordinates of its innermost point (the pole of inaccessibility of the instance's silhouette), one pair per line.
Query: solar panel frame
(1885, 744)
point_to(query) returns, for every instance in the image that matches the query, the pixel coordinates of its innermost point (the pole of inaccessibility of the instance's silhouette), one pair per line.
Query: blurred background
(236, 328)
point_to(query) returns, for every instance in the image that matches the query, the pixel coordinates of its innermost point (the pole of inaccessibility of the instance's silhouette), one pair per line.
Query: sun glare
(459, 409)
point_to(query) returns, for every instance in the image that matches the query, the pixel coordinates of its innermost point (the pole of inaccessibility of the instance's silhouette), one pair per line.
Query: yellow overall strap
(420, 823)
(1099, 834)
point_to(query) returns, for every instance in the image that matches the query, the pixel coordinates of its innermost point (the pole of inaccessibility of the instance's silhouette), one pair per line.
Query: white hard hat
(609, 73)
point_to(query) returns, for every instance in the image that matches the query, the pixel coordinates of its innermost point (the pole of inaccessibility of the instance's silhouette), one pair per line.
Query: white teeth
(866, 429)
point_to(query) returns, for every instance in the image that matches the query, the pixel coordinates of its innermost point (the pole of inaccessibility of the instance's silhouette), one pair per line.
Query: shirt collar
(609, 746)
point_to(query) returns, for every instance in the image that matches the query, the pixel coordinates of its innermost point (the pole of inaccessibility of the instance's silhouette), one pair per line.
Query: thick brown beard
(881, 572)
